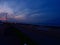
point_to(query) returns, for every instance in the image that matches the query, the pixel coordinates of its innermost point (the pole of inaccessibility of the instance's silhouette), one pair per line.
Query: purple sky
(31, 11)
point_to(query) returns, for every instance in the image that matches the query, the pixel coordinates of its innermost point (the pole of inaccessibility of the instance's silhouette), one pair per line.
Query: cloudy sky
(31, 11)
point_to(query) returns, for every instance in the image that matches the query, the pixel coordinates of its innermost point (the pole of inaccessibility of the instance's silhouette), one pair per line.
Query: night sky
(46, 12)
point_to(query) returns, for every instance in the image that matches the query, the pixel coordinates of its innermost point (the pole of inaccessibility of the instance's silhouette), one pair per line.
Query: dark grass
(23, 38)
(20, 38)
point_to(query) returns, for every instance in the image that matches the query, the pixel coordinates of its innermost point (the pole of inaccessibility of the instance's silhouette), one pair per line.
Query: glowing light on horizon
(4, 8)
(3, 19)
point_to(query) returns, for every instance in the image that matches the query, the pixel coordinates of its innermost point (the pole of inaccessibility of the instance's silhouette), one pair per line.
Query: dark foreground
(19, 34)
